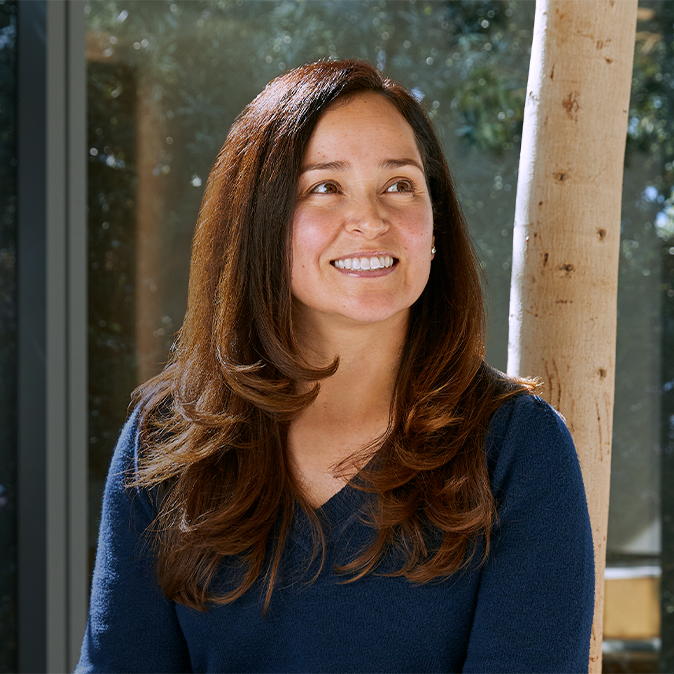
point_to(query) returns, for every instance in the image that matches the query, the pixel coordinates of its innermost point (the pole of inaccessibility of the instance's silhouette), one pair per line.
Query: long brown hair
(214, 422)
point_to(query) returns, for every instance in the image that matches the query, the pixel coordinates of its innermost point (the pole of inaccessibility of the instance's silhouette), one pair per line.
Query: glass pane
(639, 508)
(8, 186)
(166, 80)
(112, 98)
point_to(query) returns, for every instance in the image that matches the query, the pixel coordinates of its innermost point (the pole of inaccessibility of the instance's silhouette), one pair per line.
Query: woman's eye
(325, 188)
(401, 186)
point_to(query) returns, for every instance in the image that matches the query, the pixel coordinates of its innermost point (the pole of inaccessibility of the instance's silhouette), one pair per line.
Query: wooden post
(567, 232)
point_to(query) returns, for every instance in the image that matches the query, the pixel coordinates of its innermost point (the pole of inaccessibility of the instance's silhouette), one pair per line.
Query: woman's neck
(351, 411)
(369, 358)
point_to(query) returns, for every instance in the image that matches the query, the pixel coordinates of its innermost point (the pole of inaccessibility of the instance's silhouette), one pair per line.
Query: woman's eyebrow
(398, 163)
(341, 165)
(326, 166)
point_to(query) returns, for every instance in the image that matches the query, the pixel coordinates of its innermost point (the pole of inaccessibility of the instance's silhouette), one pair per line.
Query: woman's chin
(369, 317)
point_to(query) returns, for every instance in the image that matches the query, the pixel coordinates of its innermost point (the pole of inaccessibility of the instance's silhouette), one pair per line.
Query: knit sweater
(528, 608)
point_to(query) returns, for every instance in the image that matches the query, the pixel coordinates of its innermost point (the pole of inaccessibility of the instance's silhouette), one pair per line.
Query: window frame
(52, 576)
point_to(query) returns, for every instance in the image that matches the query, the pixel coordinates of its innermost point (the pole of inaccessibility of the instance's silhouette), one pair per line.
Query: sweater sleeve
(132, 627)
(536, 596)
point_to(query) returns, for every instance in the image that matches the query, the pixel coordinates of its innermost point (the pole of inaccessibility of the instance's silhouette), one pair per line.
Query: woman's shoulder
(140, 432)
(528, 440)
(127, 450)
(120, 486)
(526, 413)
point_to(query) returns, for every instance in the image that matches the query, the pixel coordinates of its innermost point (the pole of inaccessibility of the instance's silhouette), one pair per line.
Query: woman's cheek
(312, 230)
(417, 228)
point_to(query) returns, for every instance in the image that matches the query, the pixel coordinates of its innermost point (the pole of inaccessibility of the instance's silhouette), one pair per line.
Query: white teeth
(375, 262)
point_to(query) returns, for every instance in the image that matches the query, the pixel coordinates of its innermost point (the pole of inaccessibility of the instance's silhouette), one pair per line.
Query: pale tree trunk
(567, 232)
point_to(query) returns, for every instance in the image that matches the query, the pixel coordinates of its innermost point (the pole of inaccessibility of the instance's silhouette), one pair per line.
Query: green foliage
(465, 54)
(492, 38)
(478, 102)
(651, 124)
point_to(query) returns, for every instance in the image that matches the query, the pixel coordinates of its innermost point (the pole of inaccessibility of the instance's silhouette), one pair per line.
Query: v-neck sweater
(528, 608)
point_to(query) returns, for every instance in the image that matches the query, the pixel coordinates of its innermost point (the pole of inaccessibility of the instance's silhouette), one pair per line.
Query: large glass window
(8, 537)
(165, 81)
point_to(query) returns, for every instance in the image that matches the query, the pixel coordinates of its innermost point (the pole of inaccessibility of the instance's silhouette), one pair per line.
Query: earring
(433, 250)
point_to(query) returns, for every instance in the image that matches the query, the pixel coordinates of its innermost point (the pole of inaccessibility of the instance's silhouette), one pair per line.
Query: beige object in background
(632, 604)
(567, 231)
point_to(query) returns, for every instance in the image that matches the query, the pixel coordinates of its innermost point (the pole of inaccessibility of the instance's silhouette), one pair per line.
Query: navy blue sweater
(528, 609)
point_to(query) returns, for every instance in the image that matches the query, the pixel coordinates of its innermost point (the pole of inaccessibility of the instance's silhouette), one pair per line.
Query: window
(165, 82)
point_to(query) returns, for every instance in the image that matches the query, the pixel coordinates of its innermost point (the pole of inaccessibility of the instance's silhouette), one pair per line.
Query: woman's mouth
(365, 263)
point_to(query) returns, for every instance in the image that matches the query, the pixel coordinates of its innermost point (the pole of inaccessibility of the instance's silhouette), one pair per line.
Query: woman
(327, 476)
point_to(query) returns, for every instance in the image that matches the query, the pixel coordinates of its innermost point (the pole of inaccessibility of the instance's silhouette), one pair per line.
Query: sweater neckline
(338, 513)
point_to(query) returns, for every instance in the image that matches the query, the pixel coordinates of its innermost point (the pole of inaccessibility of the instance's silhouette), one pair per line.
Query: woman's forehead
(364, 122)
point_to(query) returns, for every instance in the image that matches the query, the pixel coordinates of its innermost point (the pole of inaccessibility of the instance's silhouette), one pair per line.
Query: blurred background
(162, 84)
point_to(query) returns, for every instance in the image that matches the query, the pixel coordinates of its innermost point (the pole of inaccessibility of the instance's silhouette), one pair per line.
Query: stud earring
(433, 250)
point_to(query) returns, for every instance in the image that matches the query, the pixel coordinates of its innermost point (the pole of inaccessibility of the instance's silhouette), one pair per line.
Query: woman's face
(363, 223)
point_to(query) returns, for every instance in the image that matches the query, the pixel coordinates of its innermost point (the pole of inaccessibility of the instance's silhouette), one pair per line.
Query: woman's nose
(367, 216)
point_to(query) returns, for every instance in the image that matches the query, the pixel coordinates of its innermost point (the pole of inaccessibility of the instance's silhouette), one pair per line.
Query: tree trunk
(567, 232)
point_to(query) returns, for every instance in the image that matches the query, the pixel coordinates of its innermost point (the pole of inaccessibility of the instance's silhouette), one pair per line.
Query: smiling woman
(327, 476)
(360, 200)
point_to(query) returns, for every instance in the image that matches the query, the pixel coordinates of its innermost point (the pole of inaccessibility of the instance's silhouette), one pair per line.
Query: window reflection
(166, 80)
(113, 254)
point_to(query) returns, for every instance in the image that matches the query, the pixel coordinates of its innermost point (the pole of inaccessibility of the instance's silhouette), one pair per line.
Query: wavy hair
(214, 422)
